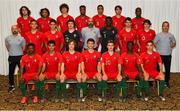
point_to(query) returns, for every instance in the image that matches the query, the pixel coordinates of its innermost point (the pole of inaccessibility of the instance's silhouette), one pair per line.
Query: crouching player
(110, 69)
(30, 68)
(131, 69)
(51, 69)
(70, 68)
(91, 68)
(150, 59)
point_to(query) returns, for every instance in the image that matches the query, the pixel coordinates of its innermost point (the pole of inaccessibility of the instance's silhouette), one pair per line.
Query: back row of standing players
(101, 28)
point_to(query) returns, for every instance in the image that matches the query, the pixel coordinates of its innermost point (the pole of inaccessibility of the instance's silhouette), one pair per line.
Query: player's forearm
(43, 68)
(21, 71)
(62, 68)
(79, 68)
(161, 67)
(82, 67)
(139, 69)
(103, 70)
(99, 68)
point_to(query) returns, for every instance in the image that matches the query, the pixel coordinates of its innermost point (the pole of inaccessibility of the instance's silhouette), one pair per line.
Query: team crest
(55, 58)
(143, 38)
(37, 36)
(35, 60)
(56, 36)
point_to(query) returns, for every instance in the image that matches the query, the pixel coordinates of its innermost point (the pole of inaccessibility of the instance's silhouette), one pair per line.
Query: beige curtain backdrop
(156, 10)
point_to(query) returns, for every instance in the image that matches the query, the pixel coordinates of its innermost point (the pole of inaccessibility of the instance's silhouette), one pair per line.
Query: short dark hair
(82, 6)
(51, 42)
(33, 20)
(165, 23)
(43, 10)
(20, 10)
(70, 20)
(138, 8)
(30, 44)
(118, 6)
(100, 6)
(52, 20)
(130, 42)
(108, 17)
(64, 5)
(72, 40)
(150, 41)
(147, 21)
(127, 19)
(110, 41)
(90, 40)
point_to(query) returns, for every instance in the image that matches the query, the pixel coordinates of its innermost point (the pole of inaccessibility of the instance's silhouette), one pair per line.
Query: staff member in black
(15, 45)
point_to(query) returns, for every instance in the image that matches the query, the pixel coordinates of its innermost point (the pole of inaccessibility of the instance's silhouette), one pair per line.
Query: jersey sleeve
(159, 60)
(22, 62)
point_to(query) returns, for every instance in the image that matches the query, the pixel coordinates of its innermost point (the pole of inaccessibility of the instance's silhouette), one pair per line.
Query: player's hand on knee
(78, 76)
(62, 77)
(104, 77)
(57, 76)
(41, 77)
(119, 77)
(99, 76)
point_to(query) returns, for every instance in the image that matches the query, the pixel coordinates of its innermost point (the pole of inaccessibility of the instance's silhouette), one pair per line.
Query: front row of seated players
(87, 65)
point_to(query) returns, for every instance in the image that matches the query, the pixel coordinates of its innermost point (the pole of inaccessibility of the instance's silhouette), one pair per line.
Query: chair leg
(158, 87)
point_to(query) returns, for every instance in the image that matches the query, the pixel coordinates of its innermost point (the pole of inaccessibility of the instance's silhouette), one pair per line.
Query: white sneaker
(67, 86)
(99, 99)
(83, 99)
(162, 98)
(146, 98)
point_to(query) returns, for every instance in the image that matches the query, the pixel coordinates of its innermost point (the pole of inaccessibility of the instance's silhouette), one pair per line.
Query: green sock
(161, 87)
(140, 87)
(23, 88)
(146, 88)
(78, 88)
(37, 86)
(58, 87)
(99, 88)
(124, 88)
(84, 88)
(118, 89)
(41, 89)
(104, 88)
(63, 89)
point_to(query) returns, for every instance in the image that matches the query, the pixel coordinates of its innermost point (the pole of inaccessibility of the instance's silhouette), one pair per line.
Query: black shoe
(11, 89)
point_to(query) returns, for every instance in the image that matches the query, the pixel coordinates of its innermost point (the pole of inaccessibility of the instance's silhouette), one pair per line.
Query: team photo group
(100, 48)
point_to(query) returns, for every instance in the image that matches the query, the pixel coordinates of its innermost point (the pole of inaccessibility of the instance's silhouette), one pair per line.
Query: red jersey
(130, 62)
(81, 22)
(99, 21)
(138, 23)
(125, 36)
(110, 62)
(57, 37)
(31, 63)
(62, 22)
(71, 61)
(37, 39)
(144, 36)
(52, 61)
(44, 24)
(91, 60)
(118, 22)
(24, 25)
(149, 61)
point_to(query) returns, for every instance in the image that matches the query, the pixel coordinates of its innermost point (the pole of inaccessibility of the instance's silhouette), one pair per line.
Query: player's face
(130, 46)
(100, 10)
(146, 26)
(34, 25)
(51, 47)
(52, 25)
(44, 13)
(83, 11)
(24, 11)
(128, 23)
(71, 46)
(138, 12)
(149, 46)
(90, 45)
(118, 11)
(64, 10)
(110, 46)
(109, 22)
(30, 50)
(165, 27)
(70, 25)
(14, 30)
